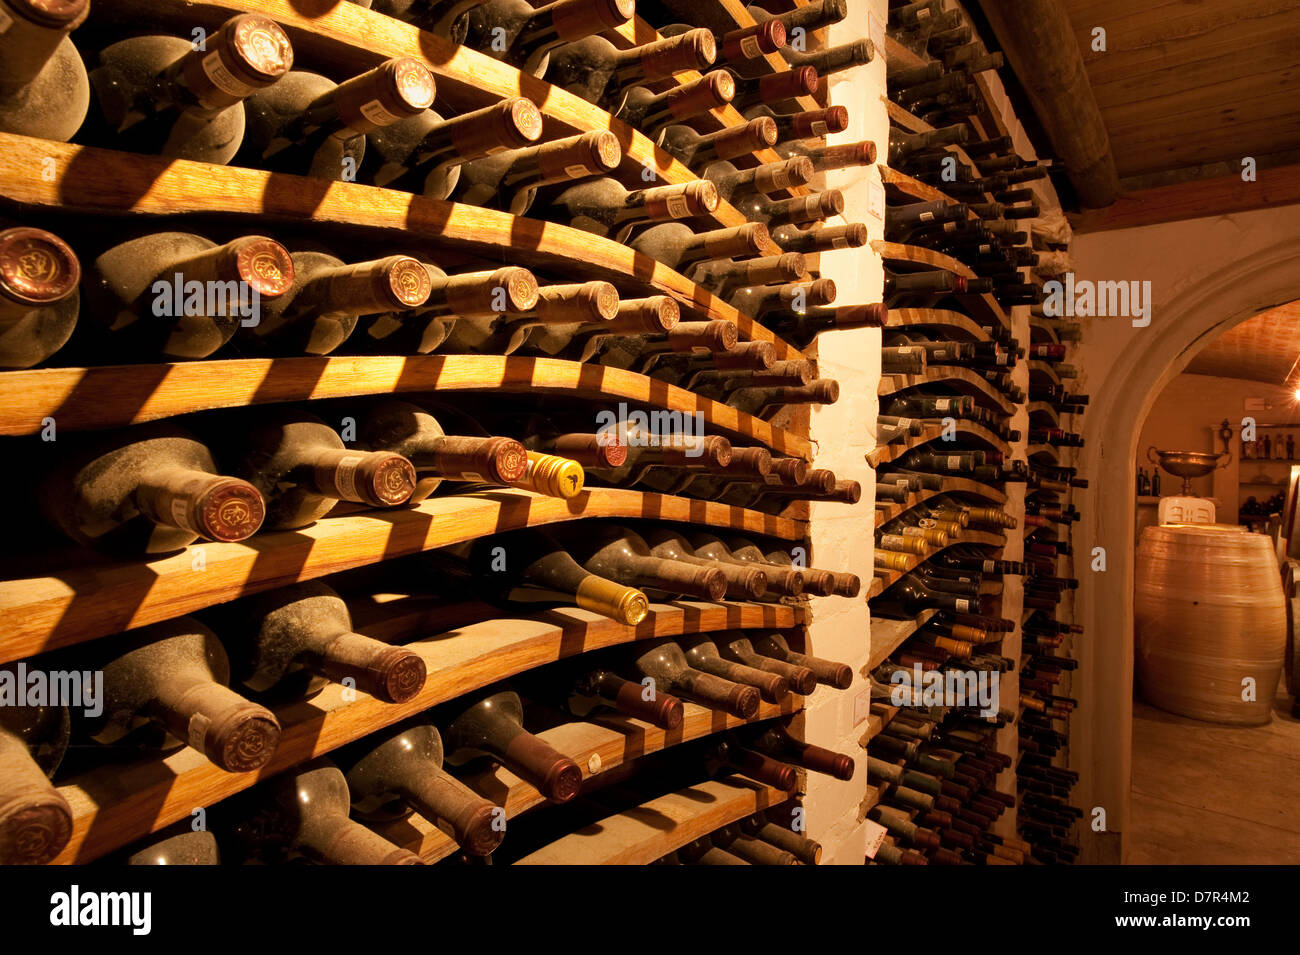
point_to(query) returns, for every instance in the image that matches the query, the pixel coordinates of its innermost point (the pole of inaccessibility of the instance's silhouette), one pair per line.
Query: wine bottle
(821, 583)
(652, 113)
(327, 298)
(665, 663)
(35, 820)
(480, 298)
(446, 18)
(424, 153)
(703, 655)
(806, 124)
(759, 301)
(786, 582)
(677, 247)
(731, 753)
(724, 279)
(799, 210)
(620, 554)
(493, 726)
(407, 429)
(175, 675)
(305, 811)
(743, 583)
(600, 73)
(734, 645)
(400, 769)
(606, 207)
(39, 301)
(834, 59)
(151, 489)
(43, 87)
(290, 643)
(732, 183)
(164, 95)
(536, 560)
(697, 150)
(801, 330)
(306, 124)
(903, 144)
(828, 672)
(177, 296)
(749, 849)
(561, 308)
(801, 847)
(776, 741)
(187, 847)
(519, 33)
(775, 87)
(302, 469)
(599, 687)
(827, 158)
(509, 181)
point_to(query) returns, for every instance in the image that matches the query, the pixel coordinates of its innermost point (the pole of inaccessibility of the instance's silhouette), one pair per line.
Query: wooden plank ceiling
(1265, 347)
(1186, 89)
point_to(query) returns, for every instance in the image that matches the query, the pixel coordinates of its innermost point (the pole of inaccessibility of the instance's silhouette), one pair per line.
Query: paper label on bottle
(819, 128)
(345, 476)
(926, 217)
(181, 513)
(875, 836)
(222, 78)
(964, 606)
(839, 242)
(989, 566)
(954, 461)
(781, 179)
(678, 207)
(749, 47)
(943, 404)
(375, 112)
(577, 171)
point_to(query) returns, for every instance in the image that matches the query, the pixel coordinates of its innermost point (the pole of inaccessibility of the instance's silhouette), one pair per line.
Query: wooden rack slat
(884, 453)
(888, 635)
(983, 306)
(107, 181)
(906, 317)
(604, 743)
(100, 596)
(115, 396)
(647, 832)
(967, 537)
(115, 805)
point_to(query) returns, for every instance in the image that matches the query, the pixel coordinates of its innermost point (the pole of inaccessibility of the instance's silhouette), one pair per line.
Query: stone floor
(1214, 795)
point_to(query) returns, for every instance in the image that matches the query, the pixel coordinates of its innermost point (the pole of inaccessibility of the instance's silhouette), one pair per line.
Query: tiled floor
(1214, 795)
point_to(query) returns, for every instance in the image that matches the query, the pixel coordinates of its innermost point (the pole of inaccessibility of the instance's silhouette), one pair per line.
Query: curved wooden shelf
(885, 453)
(1045, 369)
(115, 396)
(924, 317)
(115, 805)
(947, 374)
(106, 181)
(1044, 332)
(642, 834)
(1043, 408)
(967, 537)
(955, 486)
(608, 741)
(1049, 450)
(914, 124)
(888, 635)
(96, 596)
(355, 39)
(913, 189)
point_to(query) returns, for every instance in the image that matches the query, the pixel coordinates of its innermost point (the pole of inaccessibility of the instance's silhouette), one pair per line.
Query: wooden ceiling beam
(1039, 42)
(1278, 186)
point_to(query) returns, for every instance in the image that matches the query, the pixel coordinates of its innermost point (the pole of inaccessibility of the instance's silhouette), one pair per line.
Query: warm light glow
(1297, 394)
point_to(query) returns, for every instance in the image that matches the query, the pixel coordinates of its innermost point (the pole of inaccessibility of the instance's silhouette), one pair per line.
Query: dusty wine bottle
(622, 555)
(175, 675)
(516, 31)
(292, 642)
(302, 469)
(400, 769)
(43, 87)
(702, 653)
(151, 489)
(743, 583)
(306, 124)
(39, 301)
(424, 153)
(600, 73)
(494, 726)
(509, 181)
(665, 663)
(35, 820)
(177, 296)
(447, 18)
(165, 95)
(652, 112)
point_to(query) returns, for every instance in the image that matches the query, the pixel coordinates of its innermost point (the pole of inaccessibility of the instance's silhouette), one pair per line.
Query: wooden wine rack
(73, 596)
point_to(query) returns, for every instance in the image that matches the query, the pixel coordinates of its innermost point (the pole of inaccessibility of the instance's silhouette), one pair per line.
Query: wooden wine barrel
(1209, 613)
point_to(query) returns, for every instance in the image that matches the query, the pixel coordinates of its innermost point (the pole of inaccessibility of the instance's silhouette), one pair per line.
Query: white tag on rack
(862, 706)
(876, 199)
(875, 837)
